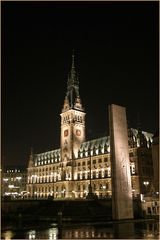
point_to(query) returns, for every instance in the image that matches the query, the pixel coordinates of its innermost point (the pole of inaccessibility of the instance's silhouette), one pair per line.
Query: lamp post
(146, 183)
(104, 190)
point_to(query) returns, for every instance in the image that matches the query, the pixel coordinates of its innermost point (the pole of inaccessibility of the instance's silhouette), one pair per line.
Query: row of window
(101, 186)
(48, 172)
(153, 210)
(13, 171)
(67, 176)
(94, 151)
(42, 162)
(94, 175)
(80, 154)
(93, 161)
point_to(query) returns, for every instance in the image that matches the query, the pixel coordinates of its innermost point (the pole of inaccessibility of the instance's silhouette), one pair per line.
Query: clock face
(78, 132)
(66, 133)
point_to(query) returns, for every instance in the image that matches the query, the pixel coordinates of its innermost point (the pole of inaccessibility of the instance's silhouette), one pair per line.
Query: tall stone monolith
(122, 205)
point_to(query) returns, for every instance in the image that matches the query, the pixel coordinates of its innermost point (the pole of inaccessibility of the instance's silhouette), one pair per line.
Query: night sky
(116, 53)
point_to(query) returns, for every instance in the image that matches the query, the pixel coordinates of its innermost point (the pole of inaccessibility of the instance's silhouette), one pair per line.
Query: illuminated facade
(150, 206)
(14, 182)
(68, 171)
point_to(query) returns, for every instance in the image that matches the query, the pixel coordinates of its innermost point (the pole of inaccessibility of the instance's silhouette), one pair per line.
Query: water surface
(130, 230)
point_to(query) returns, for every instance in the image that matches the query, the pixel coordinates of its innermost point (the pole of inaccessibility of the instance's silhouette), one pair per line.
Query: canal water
(130, 230)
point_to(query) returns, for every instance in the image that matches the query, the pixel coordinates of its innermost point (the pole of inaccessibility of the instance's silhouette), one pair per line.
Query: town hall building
(78, 164)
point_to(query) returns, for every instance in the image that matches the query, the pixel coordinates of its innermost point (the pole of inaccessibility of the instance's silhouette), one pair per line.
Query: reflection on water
(8, 235)
(141, 230)
(87, 233)
(32, 234)
(51, 233)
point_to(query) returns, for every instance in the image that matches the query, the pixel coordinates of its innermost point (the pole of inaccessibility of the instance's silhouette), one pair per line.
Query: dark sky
(116, 47)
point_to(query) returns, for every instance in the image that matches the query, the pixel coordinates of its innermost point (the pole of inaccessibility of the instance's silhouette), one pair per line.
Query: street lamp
(35, 195)
(104, 190)
(146, 183)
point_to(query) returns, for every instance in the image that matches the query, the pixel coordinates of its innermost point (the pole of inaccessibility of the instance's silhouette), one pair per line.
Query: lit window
(80, 175)
(109, 171)
(86, 154)
(32, 234)
(96, 174)
(132, 167)
(18, 178)
(5, 179)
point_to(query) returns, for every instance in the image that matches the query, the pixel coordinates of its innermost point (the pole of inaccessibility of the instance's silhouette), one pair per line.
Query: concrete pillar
(122, 205)
(124, 230)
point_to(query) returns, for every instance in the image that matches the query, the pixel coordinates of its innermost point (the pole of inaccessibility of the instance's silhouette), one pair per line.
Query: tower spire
(72, 78)
(72, 99)
(73, 67)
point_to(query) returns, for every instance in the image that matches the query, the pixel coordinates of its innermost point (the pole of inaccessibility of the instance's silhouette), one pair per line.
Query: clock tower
(72, 121)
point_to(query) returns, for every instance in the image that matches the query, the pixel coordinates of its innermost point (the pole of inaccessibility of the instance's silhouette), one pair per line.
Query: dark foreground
(20, 212)
(66, 219)
(16, 211)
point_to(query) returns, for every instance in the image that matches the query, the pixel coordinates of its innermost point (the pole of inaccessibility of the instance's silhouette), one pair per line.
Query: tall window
(132, 168)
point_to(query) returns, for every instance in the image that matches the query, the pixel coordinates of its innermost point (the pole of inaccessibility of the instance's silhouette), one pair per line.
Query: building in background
(155, 157)
(13, 182)
(150, 206)
(69, 171)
